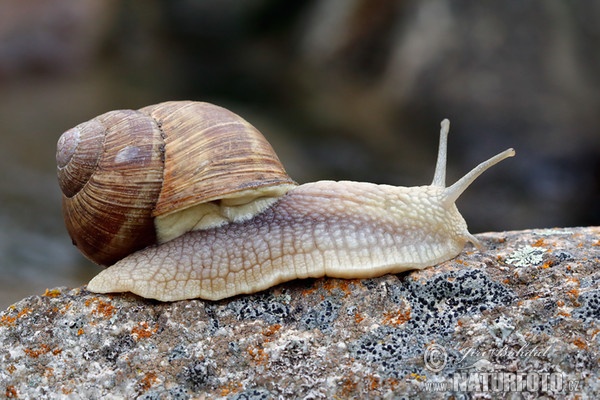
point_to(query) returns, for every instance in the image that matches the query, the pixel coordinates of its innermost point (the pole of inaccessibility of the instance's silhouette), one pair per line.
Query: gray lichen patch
(525, 256)
(325, 338)
(589, 308)
(436, 305)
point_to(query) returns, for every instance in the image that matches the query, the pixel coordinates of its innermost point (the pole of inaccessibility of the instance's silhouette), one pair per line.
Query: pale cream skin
(326, 228)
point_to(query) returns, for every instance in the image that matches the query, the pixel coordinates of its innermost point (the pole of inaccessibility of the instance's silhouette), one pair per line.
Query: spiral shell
(134, 178)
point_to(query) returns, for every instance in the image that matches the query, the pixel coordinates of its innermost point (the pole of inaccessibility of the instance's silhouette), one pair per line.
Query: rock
(521, 315)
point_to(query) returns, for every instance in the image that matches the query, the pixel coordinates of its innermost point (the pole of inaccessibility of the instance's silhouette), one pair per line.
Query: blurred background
(343, 89)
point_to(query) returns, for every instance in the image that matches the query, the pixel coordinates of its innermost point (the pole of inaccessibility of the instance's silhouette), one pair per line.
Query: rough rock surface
(522, 315)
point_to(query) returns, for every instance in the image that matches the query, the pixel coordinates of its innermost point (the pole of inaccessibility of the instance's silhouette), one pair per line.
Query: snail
(187, 200)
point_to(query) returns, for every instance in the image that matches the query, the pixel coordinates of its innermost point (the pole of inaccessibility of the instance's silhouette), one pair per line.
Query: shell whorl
(108, 206)
(77, 155)
(122, 170)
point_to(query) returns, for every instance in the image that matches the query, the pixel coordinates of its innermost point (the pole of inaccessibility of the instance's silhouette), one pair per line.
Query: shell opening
(239, 207)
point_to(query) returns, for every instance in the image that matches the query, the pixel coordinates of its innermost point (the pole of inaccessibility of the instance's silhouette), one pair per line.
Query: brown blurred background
(351, 89)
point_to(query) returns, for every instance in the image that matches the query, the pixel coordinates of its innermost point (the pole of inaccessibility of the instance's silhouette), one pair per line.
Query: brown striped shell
(134, 178)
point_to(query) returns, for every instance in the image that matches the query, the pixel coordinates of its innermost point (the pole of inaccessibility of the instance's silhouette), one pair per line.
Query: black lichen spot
(447, 297)
(264, 307)
(149, 396)
(90, 354)
(560, 256)
(213, 324)
(253, 394)
(76, 324)
(371, 284)
(390, 349)
(436, 307)
(177, 393)
(120, 345)
(197, 375)
(234, 347)
(321, 316)
(178, 352)
(589, 311)
(542, 329)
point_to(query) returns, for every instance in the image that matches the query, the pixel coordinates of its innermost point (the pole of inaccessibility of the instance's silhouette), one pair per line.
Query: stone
(521, 317)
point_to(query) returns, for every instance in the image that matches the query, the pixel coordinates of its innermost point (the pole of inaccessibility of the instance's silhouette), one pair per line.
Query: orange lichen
(398, 317)
(539, 243)
(393, 382)
(417, 377)
(24, 312)
(11, 368)
(358, 317)
(572, 279)
(80, 332)
(271, 330)
(148, 380)
(7, 320)
(104, 309)
(573, 296)
(342, 284)
(258, 354)
(66, 390)
(230, 388)
(143, 331)
(373, 382)
(564, 314)
(52, 293)
(309, 291)
(580, 343)
(44, 348)
(349, 387)
(11, 392)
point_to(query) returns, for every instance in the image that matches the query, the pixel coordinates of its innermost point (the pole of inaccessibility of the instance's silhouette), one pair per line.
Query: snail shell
(189, 200)
(134, 178)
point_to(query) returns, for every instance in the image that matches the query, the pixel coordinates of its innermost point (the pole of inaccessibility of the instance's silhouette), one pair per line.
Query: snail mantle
(188, 200)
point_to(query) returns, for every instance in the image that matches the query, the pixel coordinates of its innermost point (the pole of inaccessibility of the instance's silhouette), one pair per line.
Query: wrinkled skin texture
(326, 228)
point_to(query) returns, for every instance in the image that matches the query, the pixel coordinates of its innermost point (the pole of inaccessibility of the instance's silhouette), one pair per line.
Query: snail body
(249, 243)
